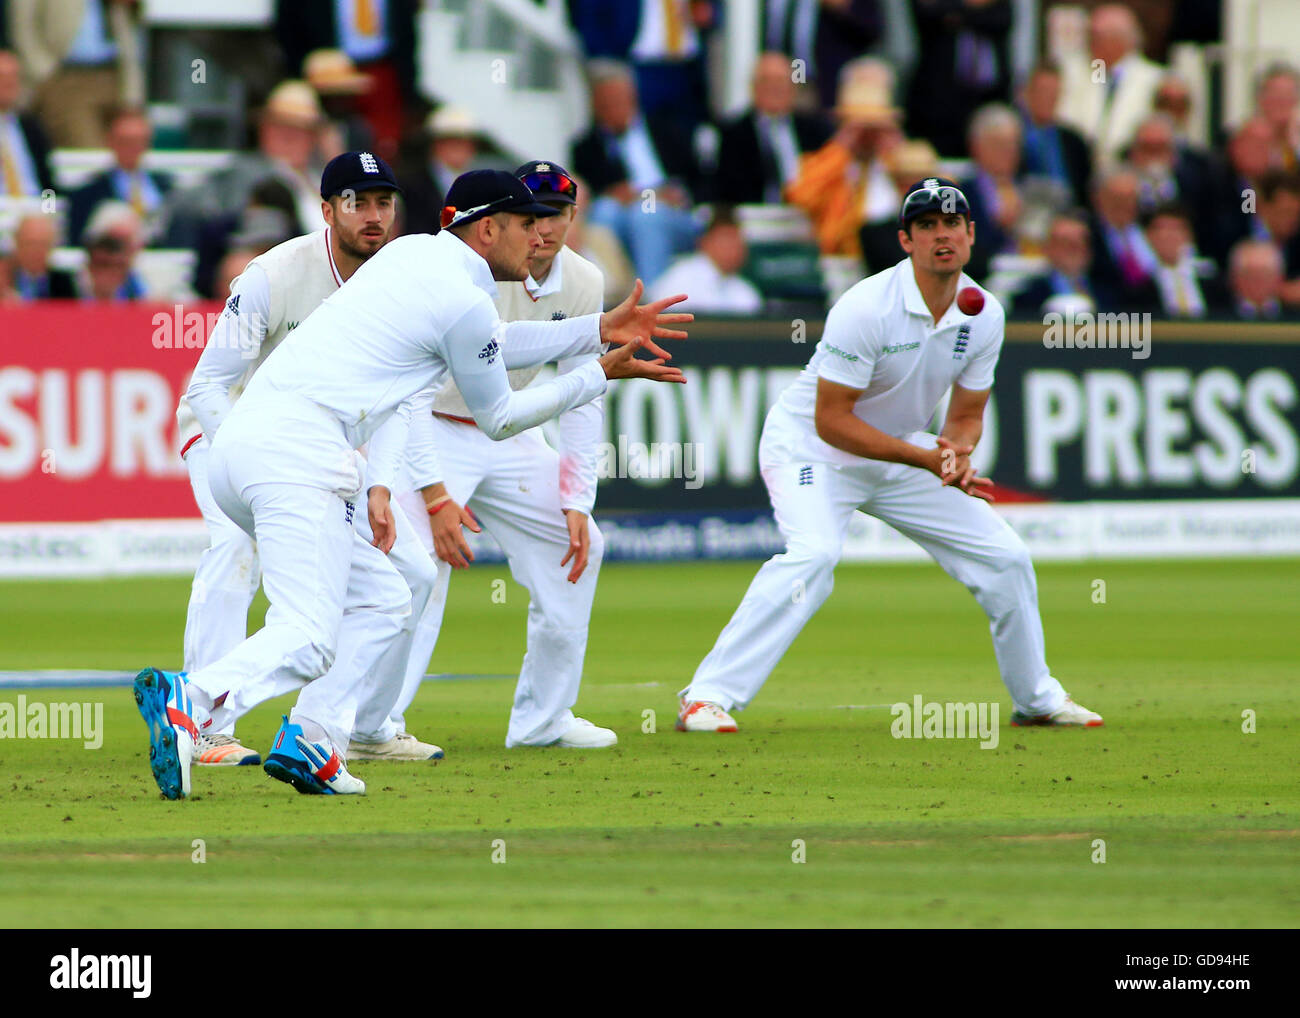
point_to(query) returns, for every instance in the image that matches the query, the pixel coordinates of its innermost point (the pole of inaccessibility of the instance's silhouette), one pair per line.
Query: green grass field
(1201, 822)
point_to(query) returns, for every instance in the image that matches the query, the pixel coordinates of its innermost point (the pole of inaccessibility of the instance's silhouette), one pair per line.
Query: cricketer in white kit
(283, 466)
(536, 502)
(275, 293)
(848, 435)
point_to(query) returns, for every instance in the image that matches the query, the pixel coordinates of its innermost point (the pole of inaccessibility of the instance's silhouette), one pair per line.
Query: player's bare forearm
(433, 492)
(964, 429)
(852, 434)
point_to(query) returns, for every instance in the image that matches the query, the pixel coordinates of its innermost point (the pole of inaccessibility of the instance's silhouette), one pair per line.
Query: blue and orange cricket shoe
(169, 712)
(314, 768)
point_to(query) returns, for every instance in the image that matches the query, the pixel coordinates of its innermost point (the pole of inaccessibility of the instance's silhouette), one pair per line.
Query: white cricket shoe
(403, 746)
(582, 734)
(704, 716)
(224, 751)
(1069, 714)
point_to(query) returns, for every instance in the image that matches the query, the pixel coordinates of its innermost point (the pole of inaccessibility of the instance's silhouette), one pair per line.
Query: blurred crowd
(1094, 187)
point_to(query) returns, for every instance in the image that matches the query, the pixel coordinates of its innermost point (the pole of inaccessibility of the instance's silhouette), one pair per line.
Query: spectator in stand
(130, 136)
(845, 183)
(340, 86)
(35, 237)
(1173, 98)
(1255, 279)
(8, 295)
(114, 236)
(993, 193)
(1106, 104)
(81, 58)
(1123, 260)
(962, 65)
(377, 35)
(1236, 194)
(24, 152)
(231, 268)
(1051, 149)
(1277, 221)
(642, 170)
(906, 163)
(711, 276)
(455, 146)
(824, 36)
(269, 218)
(759, 151)
(667, 55)
(1069, 274)
(1180, 290)
(1277, 103)
(1166, 177)
(287, 133)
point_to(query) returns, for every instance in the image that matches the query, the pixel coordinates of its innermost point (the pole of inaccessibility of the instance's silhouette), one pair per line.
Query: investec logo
(920, 720)
(74, 971)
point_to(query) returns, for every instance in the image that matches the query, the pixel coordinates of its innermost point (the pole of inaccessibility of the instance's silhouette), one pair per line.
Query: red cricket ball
(970, 301)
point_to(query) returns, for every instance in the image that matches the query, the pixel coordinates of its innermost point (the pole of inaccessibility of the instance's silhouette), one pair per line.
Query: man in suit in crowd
(1255, 280)
(642, 170)
(1180, 286)
(1124, 261)
(24, 151)
(32, 278)
(1105, 102)
(130, 136)
(1069, 258)
(759, 151)
(1051, 149)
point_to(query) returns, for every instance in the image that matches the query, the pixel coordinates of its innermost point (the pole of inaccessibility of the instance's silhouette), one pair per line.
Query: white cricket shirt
(879, 338)
(275, 293)
(372, 355)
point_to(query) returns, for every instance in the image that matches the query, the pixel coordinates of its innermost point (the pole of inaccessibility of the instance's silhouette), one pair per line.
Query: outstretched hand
(646, 322)
(622, 362)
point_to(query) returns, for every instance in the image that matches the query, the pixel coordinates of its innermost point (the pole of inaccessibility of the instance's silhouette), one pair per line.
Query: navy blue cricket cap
(480, 193)
(933, 194)
(356, 171)
(550, 181)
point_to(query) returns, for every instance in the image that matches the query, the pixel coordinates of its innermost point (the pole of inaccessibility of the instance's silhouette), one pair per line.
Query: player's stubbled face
(364, 222)
(940, 242)
(515, 244)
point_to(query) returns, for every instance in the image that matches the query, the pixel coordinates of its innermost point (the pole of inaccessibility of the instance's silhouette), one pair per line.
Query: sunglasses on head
(556, 183)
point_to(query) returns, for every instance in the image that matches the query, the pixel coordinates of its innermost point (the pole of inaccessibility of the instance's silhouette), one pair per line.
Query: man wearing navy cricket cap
(535, 500)
(848, 435)
(364, 367)
(277, 291)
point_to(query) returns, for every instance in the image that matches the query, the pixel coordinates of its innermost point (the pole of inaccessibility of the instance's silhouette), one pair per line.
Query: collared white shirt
(780, 134)
(709, 290)
(1180, 289)
(879, 338)
(643, 166)
(372, 355)
(652, 42)
(356, 44)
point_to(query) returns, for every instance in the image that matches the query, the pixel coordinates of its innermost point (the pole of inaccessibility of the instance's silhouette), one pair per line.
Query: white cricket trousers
(225, 581)
(336, 602)
(513, 489)
(813, 503)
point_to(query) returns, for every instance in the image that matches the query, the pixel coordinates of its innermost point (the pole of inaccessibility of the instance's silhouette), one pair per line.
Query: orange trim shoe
(704, 716)
(224, 751)
(1070, 715)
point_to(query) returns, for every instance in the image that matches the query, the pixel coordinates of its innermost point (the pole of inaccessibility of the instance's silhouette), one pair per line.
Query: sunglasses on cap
(555, 183)
(939, 198)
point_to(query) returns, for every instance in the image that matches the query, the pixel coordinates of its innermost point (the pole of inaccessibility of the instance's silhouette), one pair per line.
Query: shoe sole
(291, 772)
(375, 757)
(164, 756)
(1056, 724)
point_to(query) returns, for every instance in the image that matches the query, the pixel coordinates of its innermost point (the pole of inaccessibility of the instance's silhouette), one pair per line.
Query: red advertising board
(88, 409)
